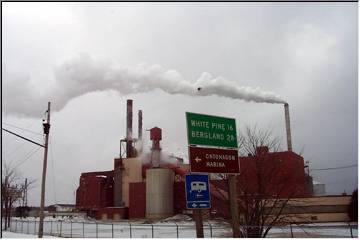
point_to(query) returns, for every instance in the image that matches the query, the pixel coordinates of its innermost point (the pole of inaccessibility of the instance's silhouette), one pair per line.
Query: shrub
(353, 207)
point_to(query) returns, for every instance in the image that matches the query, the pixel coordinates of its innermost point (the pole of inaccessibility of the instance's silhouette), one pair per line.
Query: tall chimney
(139, 146)
(140, 125)
(129, 117)
(287, 125)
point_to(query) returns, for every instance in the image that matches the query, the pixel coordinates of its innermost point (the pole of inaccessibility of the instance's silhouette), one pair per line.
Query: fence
(73, 229)
(64, 228)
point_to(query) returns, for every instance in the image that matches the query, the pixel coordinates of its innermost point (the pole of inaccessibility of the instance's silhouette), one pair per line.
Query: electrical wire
(22, 128)
(15, 158)
(53, 167)
(10, 141)
(27, 139)
(28, 157)
(9, 153)
(29, 154)
(333, 168)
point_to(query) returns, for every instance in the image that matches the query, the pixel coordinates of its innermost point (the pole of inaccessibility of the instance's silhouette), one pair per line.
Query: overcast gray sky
(88, 58)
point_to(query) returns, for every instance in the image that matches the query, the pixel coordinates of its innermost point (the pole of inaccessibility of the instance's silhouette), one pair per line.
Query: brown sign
(213, 160)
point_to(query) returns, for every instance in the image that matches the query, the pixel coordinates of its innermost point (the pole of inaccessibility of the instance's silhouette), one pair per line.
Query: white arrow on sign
(194, 205)
(197, 159)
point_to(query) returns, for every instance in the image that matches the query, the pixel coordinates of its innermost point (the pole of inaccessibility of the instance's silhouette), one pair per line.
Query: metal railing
(98, 229)
(74, 229)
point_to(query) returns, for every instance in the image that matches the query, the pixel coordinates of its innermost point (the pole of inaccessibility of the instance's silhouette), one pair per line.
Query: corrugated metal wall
(137, 196)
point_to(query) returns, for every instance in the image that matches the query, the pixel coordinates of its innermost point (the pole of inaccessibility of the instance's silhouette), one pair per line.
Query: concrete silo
(159, 182)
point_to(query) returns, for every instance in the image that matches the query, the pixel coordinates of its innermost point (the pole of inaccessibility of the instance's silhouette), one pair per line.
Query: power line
(13, 139)
(16, 157)
(28, 157)
(334, 168)
(53, 166)
(23, 137)
(9, 153)
(22, 128)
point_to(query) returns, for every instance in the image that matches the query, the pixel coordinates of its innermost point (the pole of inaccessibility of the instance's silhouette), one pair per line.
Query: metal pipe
(152, 230)
(177, 230)
(97, 234)
(287, 125)
(211, 233)
(130, 230)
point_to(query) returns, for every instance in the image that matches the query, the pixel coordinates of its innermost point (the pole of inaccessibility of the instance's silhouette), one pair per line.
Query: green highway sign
(211, 130)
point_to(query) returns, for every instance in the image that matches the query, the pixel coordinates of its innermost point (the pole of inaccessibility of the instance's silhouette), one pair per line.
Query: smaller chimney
(140, 129)
(140, 125)
(287, 125)
(129, 118)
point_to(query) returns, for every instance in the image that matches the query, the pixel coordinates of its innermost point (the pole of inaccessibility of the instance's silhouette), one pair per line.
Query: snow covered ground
(179, 226)
(7, 234)
(340, 230)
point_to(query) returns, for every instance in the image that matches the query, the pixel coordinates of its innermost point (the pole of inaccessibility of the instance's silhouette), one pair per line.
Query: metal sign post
(219, 132)
(233, 206)
(197, 190)
(199, 223)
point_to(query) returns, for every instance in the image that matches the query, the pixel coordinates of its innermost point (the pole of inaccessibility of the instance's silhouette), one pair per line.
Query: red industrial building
(279, 173)
(156, 189)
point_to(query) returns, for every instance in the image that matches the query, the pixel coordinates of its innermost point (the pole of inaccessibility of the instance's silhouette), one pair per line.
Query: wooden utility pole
(46, 126)
(24, 198)
(26, 191)
(199, 223)
(234, 206)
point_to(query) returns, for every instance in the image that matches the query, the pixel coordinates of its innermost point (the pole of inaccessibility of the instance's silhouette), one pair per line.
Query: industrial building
(141, 186)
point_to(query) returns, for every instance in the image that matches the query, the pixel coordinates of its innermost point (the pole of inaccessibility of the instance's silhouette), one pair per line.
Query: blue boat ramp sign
(197, 191)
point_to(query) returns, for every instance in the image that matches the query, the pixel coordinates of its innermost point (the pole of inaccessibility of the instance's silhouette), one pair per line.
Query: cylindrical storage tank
(159, 193)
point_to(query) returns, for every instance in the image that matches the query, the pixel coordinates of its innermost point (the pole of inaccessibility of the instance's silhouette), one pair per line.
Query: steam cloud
(84, 74)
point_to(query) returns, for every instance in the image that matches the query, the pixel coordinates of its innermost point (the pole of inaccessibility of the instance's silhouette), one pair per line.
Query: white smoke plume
(84, 74)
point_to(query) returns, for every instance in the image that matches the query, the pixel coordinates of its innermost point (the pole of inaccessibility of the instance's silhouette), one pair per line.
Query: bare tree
(8, 192)
(11, 191)
(264, 185)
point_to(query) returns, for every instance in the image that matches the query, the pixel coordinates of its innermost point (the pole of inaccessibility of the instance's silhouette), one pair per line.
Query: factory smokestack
(129, 118)
(140, 131)
(287, 125)
(140, 125)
